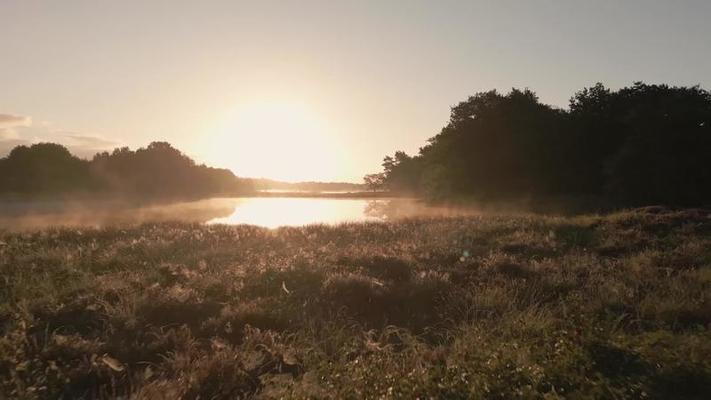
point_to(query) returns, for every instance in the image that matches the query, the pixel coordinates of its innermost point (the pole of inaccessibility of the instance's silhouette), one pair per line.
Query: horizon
(327, 89)
(89, 157)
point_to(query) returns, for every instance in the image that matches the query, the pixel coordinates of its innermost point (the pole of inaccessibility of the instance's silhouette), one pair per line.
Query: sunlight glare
(275, 139)
(276, 212)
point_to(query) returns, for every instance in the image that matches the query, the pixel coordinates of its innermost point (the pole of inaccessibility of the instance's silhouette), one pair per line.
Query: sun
(275, 139)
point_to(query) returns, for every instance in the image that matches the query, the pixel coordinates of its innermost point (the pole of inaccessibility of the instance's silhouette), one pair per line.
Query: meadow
(492, 306)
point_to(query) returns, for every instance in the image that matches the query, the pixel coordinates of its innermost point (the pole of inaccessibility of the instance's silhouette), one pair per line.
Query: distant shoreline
(139, 200)
(21, 205)
(326, 194)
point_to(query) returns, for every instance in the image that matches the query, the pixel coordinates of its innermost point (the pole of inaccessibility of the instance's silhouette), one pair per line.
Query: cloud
(19, 130)
(92, 141)
(86, 146)
(9, 122)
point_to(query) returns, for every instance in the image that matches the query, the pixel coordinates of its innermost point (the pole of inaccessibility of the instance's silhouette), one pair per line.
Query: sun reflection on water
(270, 212)
(275, 212)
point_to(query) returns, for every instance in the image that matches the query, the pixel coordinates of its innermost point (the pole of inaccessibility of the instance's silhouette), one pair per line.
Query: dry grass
(611, 306)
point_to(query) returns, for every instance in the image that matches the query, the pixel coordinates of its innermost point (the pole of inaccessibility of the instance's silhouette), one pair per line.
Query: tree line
(642, 144)
(156, 171)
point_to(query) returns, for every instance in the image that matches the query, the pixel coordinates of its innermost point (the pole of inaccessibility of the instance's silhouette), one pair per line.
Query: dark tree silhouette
(642, 144)
(664, 151)
(374, 182)
(43, 168)
(156, 171)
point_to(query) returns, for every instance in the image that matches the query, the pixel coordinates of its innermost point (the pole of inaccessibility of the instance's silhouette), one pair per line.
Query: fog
(270, 212)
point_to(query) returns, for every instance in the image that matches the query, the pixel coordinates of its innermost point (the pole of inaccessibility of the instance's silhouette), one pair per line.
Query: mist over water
(270, 212)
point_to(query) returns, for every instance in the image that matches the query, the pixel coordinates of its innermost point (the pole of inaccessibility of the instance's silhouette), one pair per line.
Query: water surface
(270, 212)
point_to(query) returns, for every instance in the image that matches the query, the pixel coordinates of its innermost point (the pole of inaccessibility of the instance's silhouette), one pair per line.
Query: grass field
(615, 306)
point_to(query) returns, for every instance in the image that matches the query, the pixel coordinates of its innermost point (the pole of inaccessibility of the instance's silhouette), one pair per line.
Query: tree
(156, 171)
(638, 145)
(375, 182)
(43, 168)
(401, 172)
(665, 149)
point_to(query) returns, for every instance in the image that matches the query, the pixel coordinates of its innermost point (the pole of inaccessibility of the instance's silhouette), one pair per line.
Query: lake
(270, 212)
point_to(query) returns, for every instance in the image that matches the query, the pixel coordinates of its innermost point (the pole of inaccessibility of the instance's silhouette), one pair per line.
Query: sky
(315, 90)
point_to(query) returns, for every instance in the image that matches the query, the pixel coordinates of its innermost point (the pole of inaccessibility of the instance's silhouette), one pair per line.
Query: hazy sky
(315, 89)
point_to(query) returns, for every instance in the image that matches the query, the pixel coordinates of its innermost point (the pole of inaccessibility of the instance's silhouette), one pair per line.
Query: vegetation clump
(496, 306)
(639, 145)
(154, 172)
